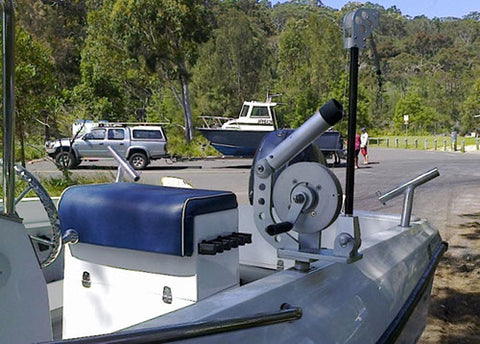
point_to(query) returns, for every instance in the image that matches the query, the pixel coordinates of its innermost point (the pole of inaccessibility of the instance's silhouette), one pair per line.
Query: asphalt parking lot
(459, 177)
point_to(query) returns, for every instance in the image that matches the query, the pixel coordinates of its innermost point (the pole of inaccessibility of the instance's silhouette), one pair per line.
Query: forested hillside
(175, 60)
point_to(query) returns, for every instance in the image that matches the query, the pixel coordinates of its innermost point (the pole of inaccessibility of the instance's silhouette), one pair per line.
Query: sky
(429, 8)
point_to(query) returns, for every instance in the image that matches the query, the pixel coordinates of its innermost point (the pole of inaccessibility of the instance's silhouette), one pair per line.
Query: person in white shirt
(363, 145)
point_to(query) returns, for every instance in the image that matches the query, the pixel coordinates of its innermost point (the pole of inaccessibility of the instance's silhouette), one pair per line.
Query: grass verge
(421, 142)
(55, 186)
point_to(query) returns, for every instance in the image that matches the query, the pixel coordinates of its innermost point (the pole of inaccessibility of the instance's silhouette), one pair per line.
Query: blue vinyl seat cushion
(139, 216)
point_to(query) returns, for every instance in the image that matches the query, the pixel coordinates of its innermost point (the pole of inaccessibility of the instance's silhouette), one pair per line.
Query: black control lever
(209, 248)
(233, 242)
(224, 243)
(246, 238)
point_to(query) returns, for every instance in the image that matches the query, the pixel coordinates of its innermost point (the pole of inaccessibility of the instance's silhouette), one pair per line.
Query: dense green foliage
(172, 61)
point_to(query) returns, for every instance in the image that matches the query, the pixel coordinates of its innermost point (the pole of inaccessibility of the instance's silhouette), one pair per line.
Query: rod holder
(407, 189)
(324, 118)
(123, 166)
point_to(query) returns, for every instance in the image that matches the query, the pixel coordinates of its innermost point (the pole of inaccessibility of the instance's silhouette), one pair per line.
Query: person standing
(357, 149)
(363, 145)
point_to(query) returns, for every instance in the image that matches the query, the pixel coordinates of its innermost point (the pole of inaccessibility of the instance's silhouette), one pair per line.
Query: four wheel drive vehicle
(139, 144)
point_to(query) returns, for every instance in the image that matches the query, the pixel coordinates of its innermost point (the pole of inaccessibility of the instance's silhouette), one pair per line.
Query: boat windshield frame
(273, 115)
(244, 111)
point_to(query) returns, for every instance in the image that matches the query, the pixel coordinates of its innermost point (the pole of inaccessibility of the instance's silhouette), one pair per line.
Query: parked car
(139, 144)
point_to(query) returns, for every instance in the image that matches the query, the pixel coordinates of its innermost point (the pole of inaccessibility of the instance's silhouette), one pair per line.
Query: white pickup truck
(139, 144)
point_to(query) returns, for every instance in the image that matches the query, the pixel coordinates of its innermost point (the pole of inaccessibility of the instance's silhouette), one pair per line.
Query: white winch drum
(326, 206)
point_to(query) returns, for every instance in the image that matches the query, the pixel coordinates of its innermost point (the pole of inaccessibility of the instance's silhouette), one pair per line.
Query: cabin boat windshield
(244, 111)
(260, 111)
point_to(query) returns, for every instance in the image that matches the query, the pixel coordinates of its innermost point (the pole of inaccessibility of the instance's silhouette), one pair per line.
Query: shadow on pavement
(171, 168)
(247, 166)
(148, 168)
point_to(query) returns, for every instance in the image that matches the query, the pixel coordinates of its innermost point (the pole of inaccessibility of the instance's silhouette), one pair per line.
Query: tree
(113, 85)
(422, 119)
(234, 65)
(60, 26)
(164, 36)
(471, 109)
(311, 62)
(35, 87)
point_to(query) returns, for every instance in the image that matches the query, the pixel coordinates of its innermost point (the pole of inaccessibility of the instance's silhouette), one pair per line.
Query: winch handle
(279, 228)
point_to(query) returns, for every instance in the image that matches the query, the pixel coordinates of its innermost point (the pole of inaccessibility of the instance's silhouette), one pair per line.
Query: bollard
(387, 141)
(416, 143)
(453, 138)
(396, 142)
(435, 144)
(425, 146)
(462, 149)
(477, 144)
(444, 145)
(406, 142)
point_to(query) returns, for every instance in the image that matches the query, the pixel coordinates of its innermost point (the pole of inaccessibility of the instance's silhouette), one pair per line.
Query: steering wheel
(55, 243)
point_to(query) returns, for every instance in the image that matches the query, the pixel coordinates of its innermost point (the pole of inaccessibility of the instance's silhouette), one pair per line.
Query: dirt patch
(454, 314)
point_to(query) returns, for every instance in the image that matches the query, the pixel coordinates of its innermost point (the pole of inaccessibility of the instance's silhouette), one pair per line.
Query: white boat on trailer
(154, 264)
(243, 135)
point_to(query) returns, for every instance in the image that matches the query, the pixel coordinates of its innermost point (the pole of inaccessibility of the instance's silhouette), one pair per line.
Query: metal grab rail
(214, 121)
(191, 330)
(123, 165)
(408, 189)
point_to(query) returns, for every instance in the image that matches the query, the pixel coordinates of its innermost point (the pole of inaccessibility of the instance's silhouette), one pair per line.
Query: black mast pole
(357, 26)
(352, 131)
(8, 108)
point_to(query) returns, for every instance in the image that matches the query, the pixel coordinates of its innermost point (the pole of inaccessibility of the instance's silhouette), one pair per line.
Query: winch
(303, 197)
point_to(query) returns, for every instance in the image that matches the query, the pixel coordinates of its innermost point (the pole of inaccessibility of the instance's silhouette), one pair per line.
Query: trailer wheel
(336, 158)
(138, 161)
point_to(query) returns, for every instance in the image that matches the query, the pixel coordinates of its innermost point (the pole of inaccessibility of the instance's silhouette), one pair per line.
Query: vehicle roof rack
(125, 124)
